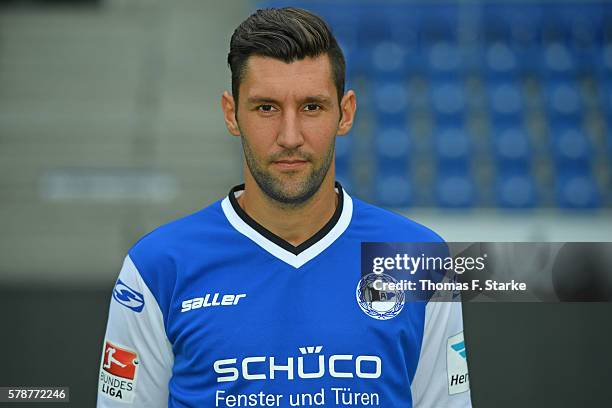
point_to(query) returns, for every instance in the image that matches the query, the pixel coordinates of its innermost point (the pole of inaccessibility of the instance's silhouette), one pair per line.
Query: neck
(294, 224)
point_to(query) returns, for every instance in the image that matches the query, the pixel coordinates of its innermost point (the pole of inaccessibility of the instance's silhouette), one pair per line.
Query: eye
(312, 107)
(265, 108)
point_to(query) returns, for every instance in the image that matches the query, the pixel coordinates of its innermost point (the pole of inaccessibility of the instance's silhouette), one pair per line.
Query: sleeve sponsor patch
(118, 372)
(128, 297)
(456, 365)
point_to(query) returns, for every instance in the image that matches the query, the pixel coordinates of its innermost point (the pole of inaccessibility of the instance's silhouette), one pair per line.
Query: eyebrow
(322, 99)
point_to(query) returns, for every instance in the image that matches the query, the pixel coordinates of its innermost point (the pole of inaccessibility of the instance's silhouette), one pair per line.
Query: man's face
(288, 117)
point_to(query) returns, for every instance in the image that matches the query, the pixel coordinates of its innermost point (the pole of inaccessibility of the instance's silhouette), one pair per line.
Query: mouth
(289, 163)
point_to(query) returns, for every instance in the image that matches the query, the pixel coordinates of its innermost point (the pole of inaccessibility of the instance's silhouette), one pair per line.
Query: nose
(290, 134)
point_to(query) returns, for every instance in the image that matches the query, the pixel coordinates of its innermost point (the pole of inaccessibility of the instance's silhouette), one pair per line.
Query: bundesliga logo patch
(118, 372)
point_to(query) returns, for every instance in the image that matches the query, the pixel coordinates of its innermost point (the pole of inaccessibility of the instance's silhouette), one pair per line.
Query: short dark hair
(287, 34)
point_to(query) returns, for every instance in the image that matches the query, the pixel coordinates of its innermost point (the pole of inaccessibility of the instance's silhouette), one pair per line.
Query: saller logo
(269, 367)
(209, 300)
(128, 297)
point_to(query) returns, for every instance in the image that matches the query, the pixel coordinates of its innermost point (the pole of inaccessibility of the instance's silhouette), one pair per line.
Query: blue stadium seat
(511, 148)
(448, 101)
(571, 148)
(517, 27)
(392, 147)
(452, 148)
(393, 190)
(563, 102)
(500, 60)
(577, 190)
(390, 100)
(515, 190)
(455, 190)
(388, 60)
(558, 61)
(444, 60)
(506, 102)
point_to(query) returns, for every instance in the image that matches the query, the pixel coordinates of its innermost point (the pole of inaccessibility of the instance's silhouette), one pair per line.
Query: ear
(228, 106)
(348, 107)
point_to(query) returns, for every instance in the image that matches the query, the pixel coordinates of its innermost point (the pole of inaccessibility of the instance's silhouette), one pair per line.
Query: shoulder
(158, 255)
(198, 224)
(383, 225)
(165, 246)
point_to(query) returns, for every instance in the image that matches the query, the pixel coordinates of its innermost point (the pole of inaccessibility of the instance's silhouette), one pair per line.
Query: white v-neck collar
(282, 249)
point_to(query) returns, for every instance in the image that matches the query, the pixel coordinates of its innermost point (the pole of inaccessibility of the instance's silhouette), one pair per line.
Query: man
(251, 301)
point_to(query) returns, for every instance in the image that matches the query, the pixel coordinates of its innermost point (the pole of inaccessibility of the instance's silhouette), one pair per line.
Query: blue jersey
(213, 310)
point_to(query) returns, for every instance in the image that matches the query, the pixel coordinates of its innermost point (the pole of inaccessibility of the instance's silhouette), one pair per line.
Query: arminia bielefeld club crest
(379, 304)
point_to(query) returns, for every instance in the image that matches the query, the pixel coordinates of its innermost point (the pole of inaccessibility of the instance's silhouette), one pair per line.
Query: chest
(257, 307)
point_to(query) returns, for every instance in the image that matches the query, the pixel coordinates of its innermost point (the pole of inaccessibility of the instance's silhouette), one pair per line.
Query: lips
(289, 163)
